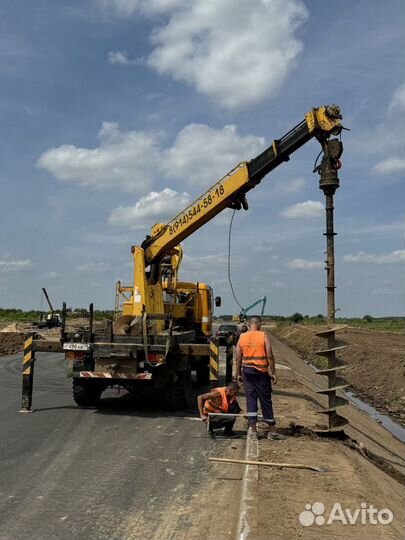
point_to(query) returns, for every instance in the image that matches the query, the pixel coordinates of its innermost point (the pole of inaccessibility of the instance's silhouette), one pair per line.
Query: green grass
(391, 324)
(387, 324)
(12, 315)
(17, 315)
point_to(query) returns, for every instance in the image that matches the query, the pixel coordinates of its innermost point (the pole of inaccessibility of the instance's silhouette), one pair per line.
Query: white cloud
(134, 160)
(288, 187)
(121, 58)
(263, 246)
(201, 154)
(127, 8)
(390, 258)
(236, 53)
(124, 160)
(94, 267)
(152, 208)
(385, 291)
(278, 285)
(194, 263)
(381, 229)
(50, 275)
(303, 264)
(8, 267)
(207, 267)
(391, 165)
(304, 210)
(398, 99)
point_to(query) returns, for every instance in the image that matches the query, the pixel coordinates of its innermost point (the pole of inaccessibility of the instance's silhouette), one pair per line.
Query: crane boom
(48, 300)
(229, 191)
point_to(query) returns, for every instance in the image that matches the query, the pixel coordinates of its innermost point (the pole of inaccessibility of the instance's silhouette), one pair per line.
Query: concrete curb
(247, 523)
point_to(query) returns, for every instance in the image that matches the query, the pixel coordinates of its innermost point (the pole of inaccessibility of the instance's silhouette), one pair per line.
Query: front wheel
(86, 392)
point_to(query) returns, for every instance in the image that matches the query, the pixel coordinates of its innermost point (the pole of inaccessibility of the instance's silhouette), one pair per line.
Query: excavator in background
(163, 325)
(53, 319)
(241, 317)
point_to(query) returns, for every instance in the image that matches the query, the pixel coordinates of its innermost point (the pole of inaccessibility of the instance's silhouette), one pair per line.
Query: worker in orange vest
(255, 365)
(221, 401)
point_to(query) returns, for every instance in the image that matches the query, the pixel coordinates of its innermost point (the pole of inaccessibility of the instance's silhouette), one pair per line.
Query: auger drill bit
(329, 182)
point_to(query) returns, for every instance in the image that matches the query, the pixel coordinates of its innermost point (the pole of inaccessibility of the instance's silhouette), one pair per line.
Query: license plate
(76, 346)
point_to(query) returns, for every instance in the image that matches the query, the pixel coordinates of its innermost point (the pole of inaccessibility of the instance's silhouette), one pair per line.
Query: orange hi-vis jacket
(254, 350)
(211, 407)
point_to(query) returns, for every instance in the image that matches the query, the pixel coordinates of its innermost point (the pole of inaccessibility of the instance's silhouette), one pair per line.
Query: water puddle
(390, 425)
(393, 427)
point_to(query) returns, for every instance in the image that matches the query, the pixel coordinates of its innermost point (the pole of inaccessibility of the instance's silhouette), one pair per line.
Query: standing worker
(255, 361)
(219, 400)
(244, 328)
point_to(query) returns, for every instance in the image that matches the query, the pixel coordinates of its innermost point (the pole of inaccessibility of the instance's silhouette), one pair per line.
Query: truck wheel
(86, 393)
(178, 394)
(203, 374)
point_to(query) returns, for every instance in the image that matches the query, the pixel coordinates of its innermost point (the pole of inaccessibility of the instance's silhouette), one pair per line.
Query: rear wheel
(203, 372)
(86, 392)
(178, 393)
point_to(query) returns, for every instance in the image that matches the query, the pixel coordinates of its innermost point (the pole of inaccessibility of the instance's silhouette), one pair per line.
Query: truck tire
(203, 373)
(86, 393)
(178, 394)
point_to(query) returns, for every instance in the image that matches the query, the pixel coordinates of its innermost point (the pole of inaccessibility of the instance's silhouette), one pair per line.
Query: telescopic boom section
(229, 191)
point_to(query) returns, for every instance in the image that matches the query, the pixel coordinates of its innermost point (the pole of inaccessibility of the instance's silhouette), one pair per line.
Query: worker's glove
(273, 379)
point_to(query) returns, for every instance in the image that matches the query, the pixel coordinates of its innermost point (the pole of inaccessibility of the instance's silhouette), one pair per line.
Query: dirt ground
(374, 359)
(13, 335)
(353, 480)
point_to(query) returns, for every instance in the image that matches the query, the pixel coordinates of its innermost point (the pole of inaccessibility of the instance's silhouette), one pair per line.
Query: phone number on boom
(185, 218)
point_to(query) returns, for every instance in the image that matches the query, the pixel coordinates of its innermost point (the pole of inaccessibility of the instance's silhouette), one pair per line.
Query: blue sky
(115, 113)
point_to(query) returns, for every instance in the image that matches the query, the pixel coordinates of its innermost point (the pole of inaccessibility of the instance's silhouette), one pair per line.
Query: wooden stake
(270, 464)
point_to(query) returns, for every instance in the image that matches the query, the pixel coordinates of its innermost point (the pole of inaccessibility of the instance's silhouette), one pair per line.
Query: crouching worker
(220, 400)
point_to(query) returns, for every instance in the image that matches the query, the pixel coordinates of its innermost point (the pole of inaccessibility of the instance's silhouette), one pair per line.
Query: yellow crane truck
(163, 326)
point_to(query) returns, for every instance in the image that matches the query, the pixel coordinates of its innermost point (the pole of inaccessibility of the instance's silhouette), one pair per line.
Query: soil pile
(374, 359)
(11, 342)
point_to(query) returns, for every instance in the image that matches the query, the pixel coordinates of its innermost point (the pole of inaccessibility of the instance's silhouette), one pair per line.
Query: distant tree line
(19, 315)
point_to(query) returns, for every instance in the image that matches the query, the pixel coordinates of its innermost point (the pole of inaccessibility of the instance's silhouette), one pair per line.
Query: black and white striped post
(214, 362)
(27, 375)
(229, 359)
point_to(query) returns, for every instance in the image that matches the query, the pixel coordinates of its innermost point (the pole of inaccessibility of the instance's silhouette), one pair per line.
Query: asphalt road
(125, 471)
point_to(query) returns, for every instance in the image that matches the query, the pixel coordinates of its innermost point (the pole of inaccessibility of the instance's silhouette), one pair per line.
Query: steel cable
(229, 261)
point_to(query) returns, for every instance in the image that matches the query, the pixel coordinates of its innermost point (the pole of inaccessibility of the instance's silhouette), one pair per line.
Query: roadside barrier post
(229, 359)
(27, 375)
(214, 362)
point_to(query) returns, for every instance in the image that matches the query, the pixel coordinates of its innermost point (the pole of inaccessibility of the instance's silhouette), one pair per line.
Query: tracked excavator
(242, 316)
(163, 326)
(53, 318)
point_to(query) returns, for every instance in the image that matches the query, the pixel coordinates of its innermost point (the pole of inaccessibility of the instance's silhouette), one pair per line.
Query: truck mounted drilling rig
(163, 326)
